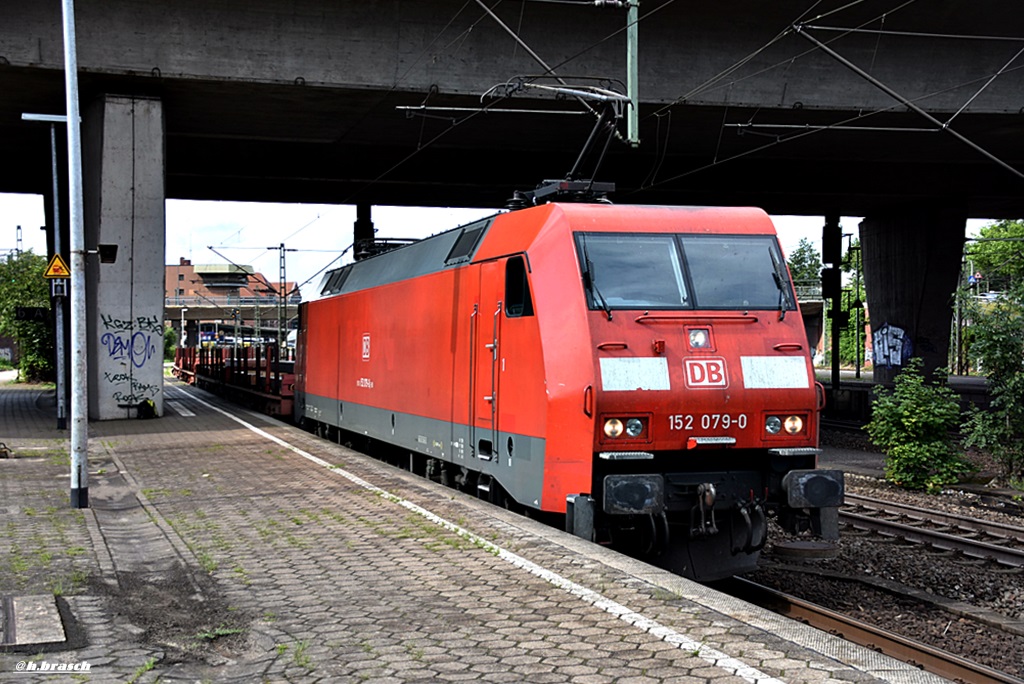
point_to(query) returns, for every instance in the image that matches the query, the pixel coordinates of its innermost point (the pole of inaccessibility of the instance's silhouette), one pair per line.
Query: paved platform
(225, 546)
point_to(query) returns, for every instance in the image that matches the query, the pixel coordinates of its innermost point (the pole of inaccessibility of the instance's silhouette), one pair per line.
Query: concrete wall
(123, 160)
(685, 48)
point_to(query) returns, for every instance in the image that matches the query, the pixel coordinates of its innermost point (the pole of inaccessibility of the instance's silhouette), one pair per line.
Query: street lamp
(184, 334)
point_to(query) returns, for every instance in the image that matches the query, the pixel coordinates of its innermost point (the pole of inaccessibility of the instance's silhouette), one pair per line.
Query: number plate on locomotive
(707, 421)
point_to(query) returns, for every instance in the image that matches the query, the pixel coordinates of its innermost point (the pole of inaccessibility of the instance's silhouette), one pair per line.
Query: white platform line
(178, 408)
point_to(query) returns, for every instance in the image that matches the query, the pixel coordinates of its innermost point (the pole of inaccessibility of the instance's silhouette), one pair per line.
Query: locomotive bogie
(642, 371)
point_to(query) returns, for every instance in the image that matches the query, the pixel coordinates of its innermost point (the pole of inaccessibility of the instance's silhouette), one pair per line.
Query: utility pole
(79, 328)
(282, 297)
(633, 72)
(58, 286)
(831, 285)
(282, 305)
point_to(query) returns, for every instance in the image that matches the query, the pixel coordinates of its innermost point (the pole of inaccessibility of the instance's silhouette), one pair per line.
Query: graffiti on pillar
(130, 391)
(136, 347)
(149, 324)
(132, 342)
(891, 346)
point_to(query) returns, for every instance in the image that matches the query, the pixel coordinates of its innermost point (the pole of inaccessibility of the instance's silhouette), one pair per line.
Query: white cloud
(25, 211)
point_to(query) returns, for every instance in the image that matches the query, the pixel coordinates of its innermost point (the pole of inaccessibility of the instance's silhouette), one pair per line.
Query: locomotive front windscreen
(645, 271)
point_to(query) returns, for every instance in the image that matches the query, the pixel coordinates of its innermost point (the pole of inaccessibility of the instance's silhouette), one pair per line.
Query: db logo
(705, 373)
(366, 346)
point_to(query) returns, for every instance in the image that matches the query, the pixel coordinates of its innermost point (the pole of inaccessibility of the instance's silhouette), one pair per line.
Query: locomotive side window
(518, 301)
(467, 241)
(632, 271)
(736, 272)
(335, 280)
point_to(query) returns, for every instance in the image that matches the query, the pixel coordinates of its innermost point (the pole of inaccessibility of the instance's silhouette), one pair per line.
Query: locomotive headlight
(699, 338)
(794, 424)
(634, 427)
(773, 425)
(613, 427)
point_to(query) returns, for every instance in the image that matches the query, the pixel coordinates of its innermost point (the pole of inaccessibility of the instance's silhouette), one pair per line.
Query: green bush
(911, 425)
(22, 284)
(997, 344)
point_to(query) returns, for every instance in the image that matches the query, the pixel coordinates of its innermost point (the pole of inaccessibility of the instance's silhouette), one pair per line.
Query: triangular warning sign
(57, 268)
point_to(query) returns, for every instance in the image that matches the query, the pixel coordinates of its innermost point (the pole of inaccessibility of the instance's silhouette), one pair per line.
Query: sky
(314, 235)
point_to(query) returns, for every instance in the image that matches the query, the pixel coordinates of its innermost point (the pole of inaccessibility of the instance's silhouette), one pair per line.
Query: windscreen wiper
(781, 282)
(588, 279)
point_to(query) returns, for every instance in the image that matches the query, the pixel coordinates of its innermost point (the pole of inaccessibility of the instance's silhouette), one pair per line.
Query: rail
(926, 657)
(911, 530)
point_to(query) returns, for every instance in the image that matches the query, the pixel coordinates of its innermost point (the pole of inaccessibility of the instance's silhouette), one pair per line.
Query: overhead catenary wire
(710, 84)
(906, 102)
(915, 34)
(715, 81)
(474, 113)
(778, 140)
(841, 125)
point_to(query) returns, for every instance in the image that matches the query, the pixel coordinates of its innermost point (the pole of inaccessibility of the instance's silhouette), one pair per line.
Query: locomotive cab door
(485, 336)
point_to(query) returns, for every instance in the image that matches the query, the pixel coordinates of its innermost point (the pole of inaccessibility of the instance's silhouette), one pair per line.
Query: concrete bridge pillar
(911, 267)
(123, 168)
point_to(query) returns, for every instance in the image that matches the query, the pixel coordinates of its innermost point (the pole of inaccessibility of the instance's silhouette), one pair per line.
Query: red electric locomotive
(642, 370)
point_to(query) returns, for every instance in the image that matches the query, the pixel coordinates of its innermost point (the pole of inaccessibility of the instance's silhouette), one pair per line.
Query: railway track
(972, 537)
(926, 657)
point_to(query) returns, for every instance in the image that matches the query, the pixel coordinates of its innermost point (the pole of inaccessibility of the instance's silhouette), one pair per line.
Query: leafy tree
(170, 343)
(851, 345)
(998, 344)
(22, 284)
(997, 255)
(805, 263)
(911, 425)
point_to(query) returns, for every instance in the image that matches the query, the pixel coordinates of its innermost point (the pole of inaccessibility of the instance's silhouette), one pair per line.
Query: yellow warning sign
(57, 268)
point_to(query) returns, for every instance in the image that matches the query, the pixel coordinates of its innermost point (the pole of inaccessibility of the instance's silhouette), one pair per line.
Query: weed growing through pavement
(153, 492)
(312, 515)
(242, 574)
(660, 594)
(207, 562)
(300, 657)
(213, 634)
(335, 516)
(143, 669)
(59, 457)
